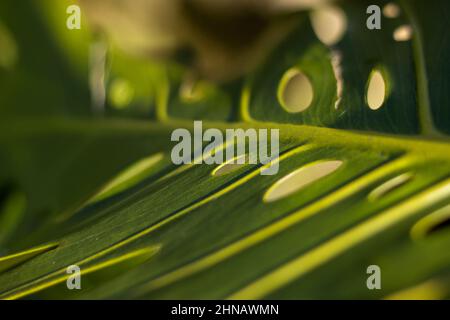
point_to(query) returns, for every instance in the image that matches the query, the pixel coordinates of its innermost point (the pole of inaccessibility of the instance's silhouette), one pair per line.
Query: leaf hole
(230, 166)
(403, 33)
(329, 24)
(129, 177)
(295, 92)
(300, 178)
(389, 186)
(391, 10)
(377, 89)
(435, 222)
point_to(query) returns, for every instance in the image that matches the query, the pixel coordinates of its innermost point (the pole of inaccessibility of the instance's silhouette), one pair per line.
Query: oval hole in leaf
(129, 177)
(295, 92)
(389, 186)
(300, 178)
(376, 90)
(432, 223)
(391, 10)
(329, 24)
(403, 33)
(229, 166)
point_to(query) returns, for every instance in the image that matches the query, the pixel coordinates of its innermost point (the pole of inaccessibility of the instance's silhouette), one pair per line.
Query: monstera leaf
(360, 182)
